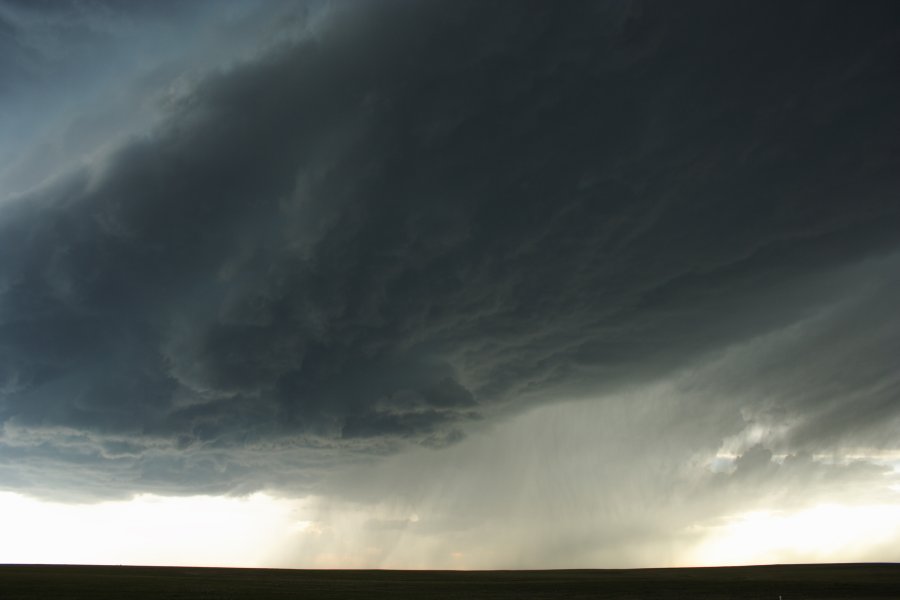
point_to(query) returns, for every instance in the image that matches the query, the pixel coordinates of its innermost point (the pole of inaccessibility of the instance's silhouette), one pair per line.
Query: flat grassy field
(789, 582)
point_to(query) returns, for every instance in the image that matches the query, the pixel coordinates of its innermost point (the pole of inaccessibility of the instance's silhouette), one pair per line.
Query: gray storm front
(475, 284)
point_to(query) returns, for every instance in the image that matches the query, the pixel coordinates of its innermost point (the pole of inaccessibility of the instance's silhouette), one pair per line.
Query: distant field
(792, 582)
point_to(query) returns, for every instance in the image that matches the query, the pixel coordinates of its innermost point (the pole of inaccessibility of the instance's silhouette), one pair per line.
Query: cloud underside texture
(430, 216)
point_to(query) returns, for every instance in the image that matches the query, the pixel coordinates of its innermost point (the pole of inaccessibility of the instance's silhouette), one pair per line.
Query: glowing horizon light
(821, 533)
(146, 530)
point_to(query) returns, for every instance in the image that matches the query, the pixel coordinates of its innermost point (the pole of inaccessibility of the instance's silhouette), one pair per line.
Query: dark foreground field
(768, 582)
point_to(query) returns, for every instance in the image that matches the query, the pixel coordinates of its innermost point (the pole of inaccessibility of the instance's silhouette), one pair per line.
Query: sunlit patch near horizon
(820, 533)
(146, 530)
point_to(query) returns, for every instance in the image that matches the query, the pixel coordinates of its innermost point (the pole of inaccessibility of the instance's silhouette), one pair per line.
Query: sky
(449, 284)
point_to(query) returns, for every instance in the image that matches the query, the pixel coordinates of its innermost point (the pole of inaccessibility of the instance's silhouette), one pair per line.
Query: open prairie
(788, 582)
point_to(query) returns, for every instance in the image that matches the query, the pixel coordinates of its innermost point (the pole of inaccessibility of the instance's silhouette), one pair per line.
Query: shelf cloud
(398, 238)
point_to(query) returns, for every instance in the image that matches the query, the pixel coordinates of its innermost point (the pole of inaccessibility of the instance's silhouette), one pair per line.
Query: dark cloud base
(432, 214)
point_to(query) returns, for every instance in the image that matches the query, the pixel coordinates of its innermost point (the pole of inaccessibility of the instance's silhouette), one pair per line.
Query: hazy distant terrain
(845, 581)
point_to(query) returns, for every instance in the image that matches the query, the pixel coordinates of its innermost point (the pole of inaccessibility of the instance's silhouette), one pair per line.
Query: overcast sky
(460, 283)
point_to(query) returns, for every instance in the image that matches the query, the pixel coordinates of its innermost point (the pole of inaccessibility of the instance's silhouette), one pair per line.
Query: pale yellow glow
(147, 530)
(822, 533)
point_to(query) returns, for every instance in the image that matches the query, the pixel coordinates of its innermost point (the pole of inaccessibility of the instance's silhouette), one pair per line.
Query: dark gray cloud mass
(421, 217)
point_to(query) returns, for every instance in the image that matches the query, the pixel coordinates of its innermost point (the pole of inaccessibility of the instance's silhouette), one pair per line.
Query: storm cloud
(413, 234)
